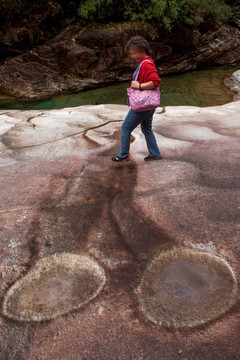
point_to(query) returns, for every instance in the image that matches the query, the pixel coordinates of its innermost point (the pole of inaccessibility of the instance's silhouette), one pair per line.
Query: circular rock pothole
(56, 285)
(183, 287)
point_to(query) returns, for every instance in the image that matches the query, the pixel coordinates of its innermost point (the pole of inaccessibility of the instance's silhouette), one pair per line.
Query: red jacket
(148, 72)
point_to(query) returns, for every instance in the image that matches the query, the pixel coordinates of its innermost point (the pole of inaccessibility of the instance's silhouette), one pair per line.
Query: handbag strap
(139, 68)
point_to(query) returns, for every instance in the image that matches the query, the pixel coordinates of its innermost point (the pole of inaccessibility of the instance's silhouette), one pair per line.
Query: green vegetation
(166, 14)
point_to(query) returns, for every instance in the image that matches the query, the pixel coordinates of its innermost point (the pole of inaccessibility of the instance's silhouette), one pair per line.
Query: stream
(202, 87)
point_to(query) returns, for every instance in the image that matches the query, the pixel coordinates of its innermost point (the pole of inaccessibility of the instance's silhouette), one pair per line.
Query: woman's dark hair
(138, 42)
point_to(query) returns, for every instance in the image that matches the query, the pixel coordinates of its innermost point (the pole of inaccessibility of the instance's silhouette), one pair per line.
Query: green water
(199, 87)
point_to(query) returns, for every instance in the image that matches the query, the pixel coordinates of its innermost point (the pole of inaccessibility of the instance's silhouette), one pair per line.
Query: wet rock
(56, 285)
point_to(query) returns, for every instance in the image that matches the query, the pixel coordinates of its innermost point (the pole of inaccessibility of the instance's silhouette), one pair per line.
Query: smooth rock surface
(60, 192)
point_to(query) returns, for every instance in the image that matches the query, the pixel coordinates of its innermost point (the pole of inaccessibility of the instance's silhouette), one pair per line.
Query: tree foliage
(165, 13)
(168, 13)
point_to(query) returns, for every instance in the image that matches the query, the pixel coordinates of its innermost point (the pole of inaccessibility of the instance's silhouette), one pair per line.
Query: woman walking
(139, 50)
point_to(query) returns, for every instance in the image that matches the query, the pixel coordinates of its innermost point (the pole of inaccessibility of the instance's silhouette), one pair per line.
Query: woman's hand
(135, 84)
(144, 86)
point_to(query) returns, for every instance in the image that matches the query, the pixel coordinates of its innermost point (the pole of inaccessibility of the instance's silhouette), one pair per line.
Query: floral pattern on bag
(142, 100)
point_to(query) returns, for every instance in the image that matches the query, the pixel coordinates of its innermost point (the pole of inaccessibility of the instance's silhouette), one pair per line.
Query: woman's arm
(148, 77)
(144, 86)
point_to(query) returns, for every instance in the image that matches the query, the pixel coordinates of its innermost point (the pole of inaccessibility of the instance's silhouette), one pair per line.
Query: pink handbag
(142, 100)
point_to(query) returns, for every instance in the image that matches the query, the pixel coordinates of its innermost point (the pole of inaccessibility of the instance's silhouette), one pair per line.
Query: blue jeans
(132, 120)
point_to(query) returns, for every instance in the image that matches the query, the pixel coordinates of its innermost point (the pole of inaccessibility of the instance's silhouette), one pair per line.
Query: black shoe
(151, 157)
(119, 159)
